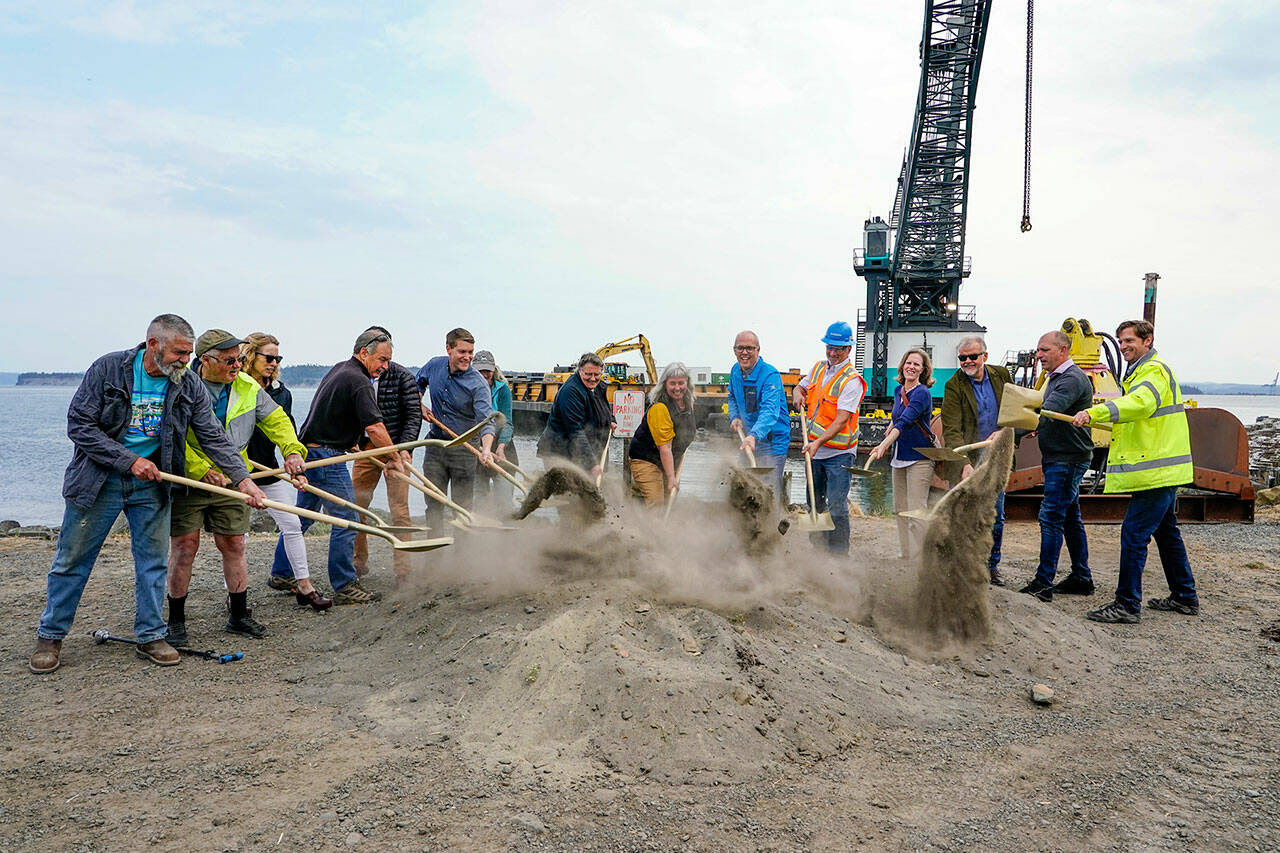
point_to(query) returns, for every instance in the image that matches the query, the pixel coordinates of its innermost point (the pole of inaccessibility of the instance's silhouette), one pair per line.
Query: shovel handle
(494, 466)
(328, 496)
(808, 470)
(1058, 416)
(604, 457)
(751, 457)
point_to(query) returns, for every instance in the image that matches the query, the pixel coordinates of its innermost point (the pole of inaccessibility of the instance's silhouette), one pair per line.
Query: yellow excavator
(615, 372)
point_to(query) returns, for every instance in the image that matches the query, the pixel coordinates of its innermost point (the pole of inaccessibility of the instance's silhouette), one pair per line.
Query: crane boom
(913, 280)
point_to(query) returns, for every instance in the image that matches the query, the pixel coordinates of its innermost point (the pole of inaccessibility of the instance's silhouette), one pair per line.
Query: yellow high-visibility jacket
(1151, 445)
(248, 407)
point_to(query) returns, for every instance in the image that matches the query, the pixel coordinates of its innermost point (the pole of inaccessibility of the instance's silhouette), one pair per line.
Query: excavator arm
(631, 344)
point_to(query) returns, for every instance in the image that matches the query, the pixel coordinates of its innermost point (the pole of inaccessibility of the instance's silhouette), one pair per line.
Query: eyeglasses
(974, 357)
(744, 349)
(235, 359)
(272, 359)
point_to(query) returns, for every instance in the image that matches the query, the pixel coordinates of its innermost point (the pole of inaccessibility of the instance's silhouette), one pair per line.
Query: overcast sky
(553, 176)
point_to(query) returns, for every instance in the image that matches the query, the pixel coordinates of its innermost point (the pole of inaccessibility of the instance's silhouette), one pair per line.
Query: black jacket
(1069, 392)
(400, 402)
(262, 449)
(578, 425)
(100, 412)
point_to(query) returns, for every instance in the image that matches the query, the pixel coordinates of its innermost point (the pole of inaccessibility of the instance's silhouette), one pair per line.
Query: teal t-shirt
(142, 436)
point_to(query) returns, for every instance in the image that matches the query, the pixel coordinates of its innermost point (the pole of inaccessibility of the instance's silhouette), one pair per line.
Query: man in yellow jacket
(1150, 458)
(241, 406)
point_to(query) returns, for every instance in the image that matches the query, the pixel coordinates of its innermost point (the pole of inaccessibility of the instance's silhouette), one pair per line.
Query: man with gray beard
(128, 421)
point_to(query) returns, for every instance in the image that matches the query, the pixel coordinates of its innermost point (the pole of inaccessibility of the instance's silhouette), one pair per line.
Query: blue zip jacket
(758, 399)
(99, 414)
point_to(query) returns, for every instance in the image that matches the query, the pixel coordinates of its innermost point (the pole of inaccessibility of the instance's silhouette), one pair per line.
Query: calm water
(35, 450)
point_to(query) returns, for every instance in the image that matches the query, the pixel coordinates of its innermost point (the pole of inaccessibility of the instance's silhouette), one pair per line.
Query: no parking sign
(628, 411)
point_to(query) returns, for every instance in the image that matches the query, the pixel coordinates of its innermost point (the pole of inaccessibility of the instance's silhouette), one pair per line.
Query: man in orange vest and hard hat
(830, 396)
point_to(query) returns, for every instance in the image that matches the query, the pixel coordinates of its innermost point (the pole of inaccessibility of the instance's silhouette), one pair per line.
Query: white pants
(295, 547)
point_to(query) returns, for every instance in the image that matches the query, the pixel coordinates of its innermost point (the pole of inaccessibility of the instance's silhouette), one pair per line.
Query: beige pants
(364, 479)
(911, 491)
(648, 481)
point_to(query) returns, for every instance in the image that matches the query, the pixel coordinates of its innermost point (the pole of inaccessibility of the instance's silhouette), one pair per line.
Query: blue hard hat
(839, 334)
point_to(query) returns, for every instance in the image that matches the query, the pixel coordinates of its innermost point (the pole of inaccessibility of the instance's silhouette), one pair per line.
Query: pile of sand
(667, 650)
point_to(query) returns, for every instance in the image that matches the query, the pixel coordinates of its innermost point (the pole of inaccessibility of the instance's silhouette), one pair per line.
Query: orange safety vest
(820, 405)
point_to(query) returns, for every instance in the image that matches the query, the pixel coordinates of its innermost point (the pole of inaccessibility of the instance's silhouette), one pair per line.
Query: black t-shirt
(345, 403)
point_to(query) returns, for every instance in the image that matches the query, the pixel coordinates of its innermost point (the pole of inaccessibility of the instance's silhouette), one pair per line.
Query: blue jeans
(997, 534)
(146, 506)
(1152, 513)
(831, 488)
(335, 479)
(1060, 519)
(768, 459)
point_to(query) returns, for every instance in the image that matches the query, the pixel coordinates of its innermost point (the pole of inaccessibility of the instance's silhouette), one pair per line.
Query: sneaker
(1039, 589)
(282, 584)
(1114, 612)
(177, 635)
(45, 658)
(997, 578)
(1073, 584)
(159, 652)
(354, 593)
(1174, 605)
(246, 625)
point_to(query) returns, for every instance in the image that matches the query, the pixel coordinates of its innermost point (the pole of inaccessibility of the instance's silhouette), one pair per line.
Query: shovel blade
(813, 523)
(422, 544)
(917, 514)
(1019, 407)
(860, 472)
(398, 531)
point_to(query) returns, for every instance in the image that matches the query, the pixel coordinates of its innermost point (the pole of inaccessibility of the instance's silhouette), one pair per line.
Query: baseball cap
(216, 339)
(484, 360)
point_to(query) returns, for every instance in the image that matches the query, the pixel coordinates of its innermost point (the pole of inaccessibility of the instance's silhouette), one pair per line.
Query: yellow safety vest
(1151, 444)
(821, 398)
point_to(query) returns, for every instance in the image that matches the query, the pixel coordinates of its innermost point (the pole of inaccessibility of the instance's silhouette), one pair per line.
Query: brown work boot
(45, 658)
(159, 653)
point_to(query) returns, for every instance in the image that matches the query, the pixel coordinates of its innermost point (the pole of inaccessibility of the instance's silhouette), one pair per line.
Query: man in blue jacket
(758, 407)
(128, 421)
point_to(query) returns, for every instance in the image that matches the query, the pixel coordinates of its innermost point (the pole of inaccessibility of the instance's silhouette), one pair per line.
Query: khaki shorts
(215, 513)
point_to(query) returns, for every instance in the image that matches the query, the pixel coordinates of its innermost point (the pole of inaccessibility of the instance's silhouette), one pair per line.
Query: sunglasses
(235, 359)
(272, 359)
(973, 357)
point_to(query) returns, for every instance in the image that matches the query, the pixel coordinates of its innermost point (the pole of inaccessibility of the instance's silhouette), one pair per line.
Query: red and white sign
(628, 411)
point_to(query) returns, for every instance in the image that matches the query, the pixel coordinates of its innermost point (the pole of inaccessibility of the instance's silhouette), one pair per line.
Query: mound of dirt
(951, 598)
(565, 480)
(754, 503)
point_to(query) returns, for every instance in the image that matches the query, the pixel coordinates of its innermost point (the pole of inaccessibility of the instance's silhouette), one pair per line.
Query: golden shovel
(466, 519)
(758, 471)
(814, 521)
(373, 517)
(1020, 409)
(864, 471)
(398, 544)
(946, 454)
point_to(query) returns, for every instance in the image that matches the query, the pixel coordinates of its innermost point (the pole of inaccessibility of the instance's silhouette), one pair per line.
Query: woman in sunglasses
(262, 361)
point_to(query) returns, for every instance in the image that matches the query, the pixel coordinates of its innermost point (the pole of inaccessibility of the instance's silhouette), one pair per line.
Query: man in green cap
(240, 405)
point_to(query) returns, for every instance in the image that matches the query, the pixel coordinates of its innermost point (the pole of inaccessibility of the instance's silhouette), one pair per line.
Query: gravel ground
(457, 716)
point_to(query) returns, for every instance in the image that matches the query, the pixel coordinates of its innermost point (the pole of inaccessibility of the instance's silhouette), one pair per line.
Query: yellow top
(661, 427)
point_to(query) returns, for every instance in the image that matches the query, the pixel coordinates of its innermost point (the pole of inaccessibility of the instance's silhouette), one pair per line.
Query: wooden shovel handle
(494, 466)
(1058, 416)
(751, 457)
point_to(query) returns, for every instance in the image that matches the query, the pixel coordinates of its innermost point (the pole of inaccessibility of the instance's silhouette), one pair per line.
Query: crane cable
(1026, 156)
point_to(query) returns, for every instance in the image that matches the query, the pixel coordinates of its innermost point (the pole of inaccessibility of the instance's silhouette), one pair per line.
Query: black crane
(913, 264)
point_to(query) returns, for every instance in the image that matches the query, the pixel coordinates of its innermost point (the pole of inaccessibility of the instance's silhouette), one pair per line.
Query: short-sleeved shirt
(344, 405)
(142, 436)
